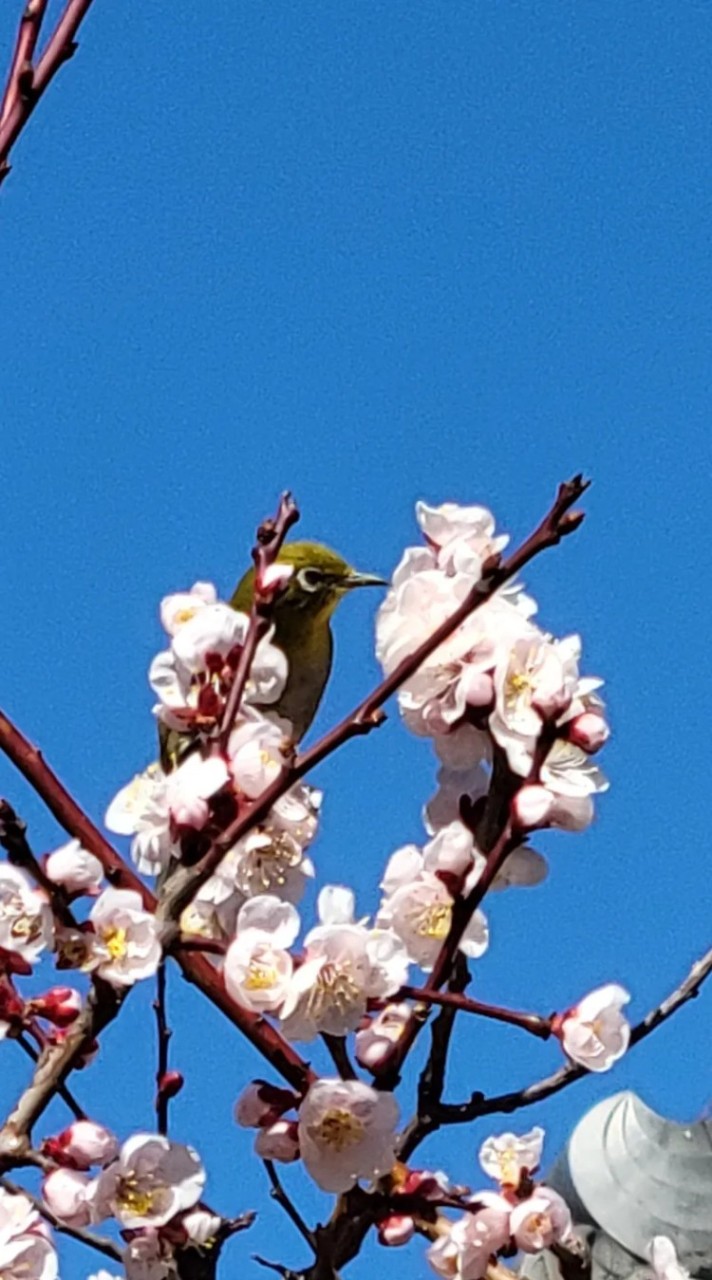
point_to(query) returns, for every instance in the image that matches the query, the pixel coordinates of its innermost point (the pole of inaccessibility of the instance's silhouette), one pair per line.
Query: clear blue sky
(374, 252)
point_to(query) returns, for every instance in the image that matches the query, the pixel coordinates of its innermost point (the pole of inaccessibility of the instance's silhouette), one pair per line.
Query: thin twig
(270, 537)
(339, 1055)
(27, 83)
(164, 1034)
(101, 1243)
(531, 1022)
(21, 73)
(279, 1194)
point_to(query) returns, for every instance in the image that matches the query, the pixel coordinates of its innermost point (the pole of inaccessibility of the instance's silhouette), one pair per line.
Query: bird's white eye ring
(310, 579)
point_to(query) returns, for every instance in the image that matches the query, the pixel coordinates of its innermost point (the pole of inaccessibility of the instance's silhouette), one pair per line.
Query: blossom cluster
(497, 684)
(150, 1186)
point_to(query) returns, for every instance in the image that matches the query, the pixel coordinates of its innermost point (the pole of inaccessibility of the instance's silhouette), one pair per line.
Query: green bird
(302, 616)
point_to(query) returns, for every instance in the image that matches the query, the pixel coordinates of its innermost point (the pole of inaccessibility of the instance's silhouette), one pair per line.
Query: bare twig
(279, 1194)
(531, 1022)
(164, 1033)
(270, 537)
(339, 1054)
(100, 1243)
(27, 81)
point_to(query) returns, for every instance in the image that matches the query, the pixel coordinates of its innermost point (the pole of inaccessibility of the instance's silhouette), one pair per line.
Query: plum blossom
(193, 677)
(278, 1141)
(26, 1248)
(507, 1156)
(466, 1246)
(153, 806)
(345, 964)
(65, 1192)
(535, 682)
(260, 1103)
(272, 858)
(258, 968)
(595, 1033)
(462, 538)
(664, 1261)
(124, 946)
(256, 751)
(417, 903)
(346, 1132)
(25, 915)
(77, 870)
(179, 608)
(151, 1181)
(540, 1221)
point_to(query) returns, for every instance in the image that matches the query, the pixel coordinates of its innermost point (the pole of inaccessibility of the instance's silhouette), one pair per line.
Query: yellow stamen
(338, 1129)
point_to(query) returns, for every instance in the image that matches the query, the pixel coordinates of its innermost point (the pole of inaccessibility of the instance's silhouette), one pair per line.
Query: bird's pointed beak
(363, 580)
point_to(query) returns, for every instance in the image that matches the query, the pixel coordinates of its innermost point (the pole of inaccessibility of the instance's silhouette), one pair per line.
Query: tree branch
(27, 81)
(478, 1105)
(279, 1194)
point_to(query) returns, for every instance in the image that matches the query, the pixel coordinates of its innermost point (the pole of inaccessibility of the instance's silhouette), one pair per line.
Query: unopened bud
(170, 1083)
(279, 1142)
(73, 867)
(395, 1230)
(60, 1005)
(81, 1145)
(531, 807)
(260, 1103)
(589, 731)
(64, 1191)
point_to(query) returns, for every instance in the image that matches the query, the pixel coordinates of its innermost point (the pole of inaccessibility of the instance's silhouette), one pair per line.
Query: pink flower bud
(274, 580)
(531, 807)
(396, 1229)
(261, 1103)
(64, 1192)
(589, 731)
(279, 1142)
(83, 1144)
(75, 868)
(60, 1005)
(170, 1084)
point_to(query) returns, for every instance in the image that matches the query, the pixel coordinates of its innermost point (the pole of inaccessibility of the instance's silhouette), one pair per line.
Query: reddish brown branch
(478, 1105)
(196, 968)
(531, 1022)
(27, 81)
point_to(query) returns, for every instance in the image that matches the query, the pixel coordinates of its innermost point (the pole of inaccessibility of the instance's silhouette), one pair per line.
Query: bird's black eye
(310, 579)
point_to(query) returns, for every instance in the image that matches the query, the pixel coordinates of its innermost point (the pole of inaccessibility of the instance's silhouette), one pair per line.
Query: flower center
(434, 921)
(269, 862)
(338, 1129)
(261, 976)
(115, 941)
(140, 1197)
(25, 927)
(334, 987)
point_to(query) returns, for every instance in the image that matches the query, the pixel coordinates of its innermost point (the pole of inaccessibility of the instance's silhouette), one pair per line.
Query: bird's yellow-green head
(319, 580)
(301, 613)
